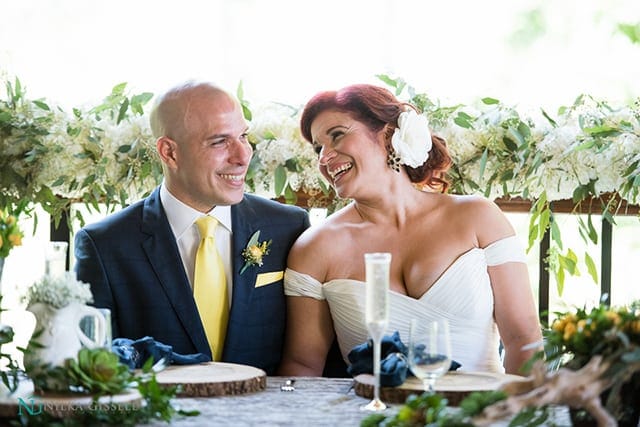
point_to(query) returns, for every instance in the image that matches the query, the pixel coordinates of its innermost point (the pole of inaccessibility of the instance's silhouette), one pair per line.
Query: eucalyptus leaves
(97, 154)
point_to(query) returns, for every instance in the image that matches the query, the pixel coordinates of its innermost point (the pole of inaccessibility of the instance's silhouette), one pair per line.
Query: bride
(453, 256)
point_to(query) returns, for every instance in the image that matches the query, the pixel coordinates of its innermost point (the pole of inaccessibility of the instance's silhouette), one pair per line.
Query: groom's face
(213, 154)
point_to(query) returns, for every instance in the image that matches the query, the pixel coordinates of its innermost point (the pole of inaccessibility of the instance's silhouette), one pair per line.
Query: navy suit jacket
(132, 263)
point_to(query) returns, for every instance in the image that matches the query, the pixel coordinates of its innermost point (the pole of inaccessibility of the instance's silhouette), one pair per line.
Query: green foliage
(613, 333)
(283, 163)
(586, 332)
(100, 373)
(426, 409)
(499, 153)
(97, 371)
(531, 25)
(586, 152)
(632, 31)
(10, 373)
(475, 403)
(529, 417)
(95, 155)
(430, 409)
(246, 110)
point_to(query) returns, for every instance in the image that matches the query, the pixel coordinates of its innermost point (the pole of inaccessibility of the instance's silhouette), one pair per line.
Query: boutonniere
(255, 251)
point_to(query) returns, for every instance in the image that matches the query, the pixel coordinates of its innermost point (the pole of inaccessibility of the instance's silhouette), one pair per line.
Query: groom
(140, 262)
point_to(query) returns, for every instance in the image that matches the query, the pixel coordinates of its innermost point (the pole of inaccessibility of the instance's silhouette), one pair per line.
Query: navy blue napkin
(393, 367)
(134, 354)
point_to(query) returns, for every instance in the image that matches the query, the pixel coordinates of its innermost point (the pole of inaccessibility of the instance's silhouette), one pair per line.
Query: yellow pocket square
(266, 278)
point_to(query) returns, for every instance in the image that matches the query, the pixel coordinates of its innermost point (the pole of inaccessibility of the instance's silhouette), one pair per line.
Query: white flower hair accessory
(412, 139)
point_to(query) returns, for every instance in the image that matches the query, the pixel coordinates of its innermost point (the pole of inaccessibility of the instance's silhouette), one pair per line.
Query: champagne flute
(429, 350)
(377, 314)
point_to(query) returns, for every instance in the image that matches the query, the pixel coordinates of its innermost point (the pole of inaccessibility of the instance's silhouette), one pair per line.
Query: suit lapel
(245, 222)
(162, 251)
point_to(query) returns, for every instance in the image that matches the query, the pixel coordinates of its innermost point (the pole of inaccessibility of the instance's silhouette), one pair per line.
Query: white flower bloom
(412, 139)
(59, 291)
(275, 133)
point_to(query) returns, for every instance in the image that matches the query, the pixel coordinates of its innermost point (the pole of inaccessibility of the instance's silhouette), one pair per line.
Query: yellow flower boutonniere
(255, 251)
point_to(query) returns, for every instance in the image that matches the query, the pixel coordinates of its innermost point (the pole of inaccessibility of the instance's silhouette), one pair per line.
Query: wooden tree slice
(213, 379)
(24, 401)
(455, 386)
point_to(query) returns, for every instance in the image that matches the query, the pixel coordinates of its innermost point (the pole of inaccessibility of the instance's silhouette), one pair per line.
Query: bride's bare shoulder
(457, 205)
(482, 214)
(330, 234)
(468, 205)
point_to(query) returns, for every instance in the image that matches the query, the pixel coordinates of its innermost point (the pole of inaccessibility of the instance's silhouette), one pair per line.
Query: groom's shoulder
(119, 219)
(272, 207)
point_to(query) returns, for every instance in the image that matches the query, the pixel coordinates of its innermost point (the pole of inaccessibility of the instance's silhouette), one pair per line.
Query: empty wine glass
(377, 314)
(429, 350)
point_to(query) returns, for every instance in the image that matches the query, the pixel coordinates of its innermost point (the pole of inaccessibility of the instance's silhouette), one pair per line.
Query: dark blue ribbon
(393, 360)
(134, 354)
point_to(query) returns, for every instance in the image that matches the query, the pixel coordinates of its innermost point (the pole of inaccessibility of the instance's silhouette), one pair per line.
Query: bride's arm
(309, 331)
(515, 313)
(514, 307)
(308, 337)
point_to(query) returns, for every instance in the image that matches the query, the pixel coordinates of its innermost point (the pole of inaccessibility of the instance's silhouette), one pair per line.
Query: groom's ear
(167, 150)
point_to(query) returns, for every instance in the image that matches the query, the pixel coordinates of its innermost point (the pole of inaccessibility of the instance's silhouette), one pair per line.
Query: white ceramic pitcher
(60, 334)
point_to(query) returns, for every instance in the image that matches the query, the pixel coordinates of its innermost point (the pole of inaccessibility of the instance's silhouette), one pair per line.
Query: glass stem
(429, 385)
(376, 368)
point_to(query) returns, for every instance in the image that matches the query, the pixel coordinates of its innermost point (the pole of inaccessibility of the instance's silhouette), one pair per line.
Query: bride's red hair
(376, 108)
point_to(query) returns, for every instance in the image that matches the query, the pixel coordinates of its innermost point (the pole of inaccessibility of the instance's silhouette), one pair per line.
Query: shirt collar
(182, 216)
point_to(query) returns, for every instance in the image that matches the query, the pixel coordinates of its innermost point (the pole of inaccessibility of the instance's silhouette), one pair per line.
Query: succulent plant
(98, 371)
(10, 375)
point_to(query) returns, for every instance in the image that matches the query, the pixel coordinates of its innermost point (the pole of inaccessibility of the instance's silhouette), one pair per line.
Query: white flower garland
(84, 153)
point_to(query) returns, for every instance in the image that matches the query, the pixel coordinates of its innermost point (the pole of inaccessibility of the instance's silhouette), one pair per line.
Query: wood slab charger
(455, 386)
(61, 405)
(213, 379)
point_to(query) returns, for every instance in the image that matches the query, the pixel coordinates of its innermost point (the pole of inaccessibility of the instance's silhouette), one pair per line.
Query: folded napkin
(393, 366)
(134, 354)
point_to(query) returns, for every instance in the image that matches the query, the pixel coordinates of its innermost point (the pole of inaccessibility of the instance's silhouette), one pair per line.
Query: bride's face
(348, 151)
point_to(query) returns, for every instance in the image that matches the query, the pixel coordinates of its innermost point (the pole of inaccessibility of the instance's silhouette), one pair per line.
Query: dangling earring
(393, 160)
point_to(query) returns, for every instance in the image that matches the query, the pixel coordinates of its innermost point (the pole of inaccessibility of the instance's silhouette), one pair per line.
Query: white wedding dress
(463, 295)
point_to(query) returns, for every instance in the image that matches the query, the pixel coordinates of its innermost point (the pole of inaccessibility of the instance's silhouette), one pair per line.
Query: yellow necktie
(210, 287)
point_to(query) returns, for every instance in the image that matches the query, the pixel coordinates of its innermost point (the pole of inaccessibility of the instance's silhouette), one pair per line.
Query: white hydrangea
(276, 134)
(463, 144)
(59, 291)
(135, 134)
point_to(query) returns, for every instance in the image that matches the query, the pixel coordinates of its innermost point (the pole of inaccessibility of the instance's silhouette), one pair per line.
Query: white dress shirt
(182, 221)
